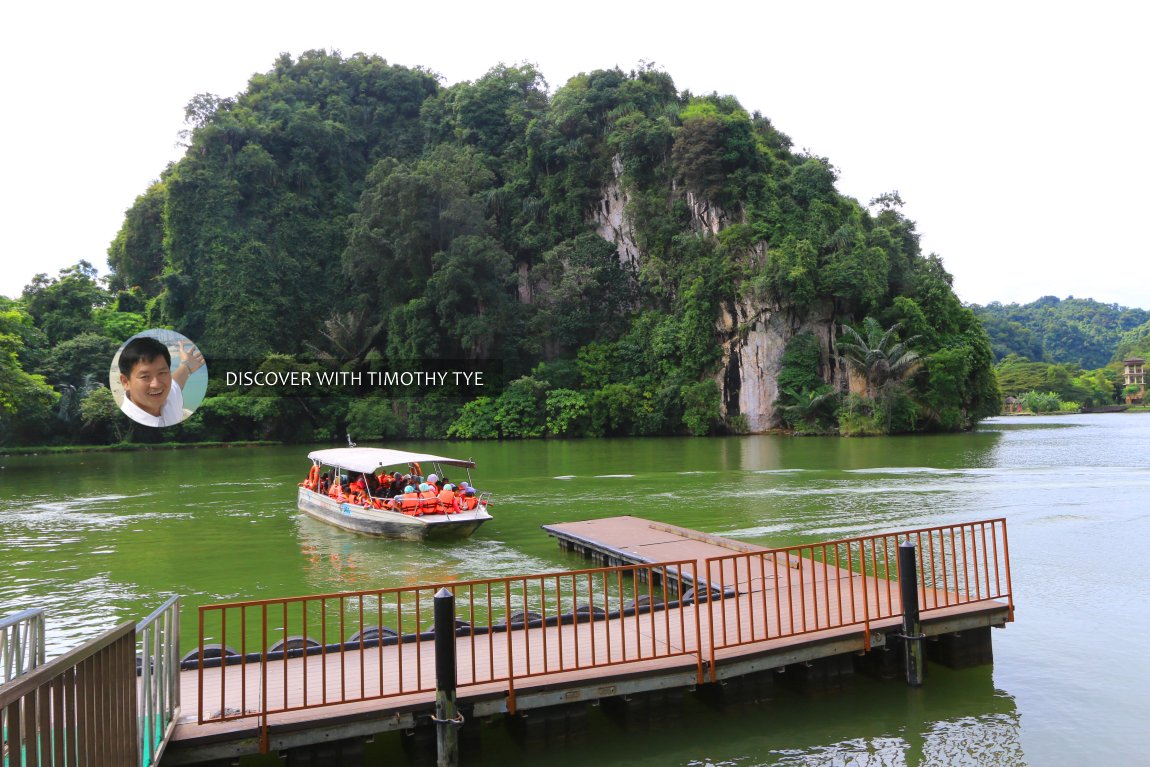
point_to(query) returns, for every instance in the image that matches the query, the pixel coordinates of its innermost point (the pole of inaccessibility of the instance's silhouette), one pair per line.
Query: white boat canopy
(368, 459)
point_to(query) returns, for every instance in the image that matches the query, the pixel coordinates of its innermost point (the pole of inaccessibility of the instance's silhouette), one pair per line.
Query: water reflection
(958, 718)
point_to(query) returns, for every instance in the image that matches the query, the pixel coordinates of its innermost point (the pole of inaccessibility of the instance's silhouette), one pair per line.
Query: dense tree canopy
(592, 240)
(1078, 331)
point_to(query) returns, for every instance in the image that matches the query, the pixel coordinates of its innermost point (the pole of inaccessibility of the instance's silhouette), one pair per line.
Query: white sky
(1016, 132)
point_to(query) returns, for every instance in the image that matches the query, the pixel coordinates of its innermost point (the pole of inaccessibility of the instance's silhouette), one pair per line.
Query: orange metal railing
(798, 590)
(276, 655)
(269, 656)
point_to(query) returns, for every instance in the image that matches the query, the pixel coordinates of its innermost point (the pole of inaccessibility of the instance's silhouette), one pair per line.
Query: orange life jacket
(446, 501)
(428, 501)
(409, 504)
(468, 502)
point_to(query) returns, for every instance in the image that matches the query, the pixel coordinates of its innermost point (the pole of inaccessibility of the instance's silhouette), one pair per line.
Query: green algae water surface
(98, 538)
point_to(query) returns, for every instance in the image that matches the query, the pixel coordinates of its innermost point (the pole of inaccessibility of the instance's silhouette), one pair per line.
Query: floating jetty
(666, 611)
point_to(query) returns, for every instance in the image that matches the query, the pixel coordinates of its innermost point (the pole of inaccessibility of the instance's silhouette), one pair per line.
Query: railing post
(447, 719)
(912, 635)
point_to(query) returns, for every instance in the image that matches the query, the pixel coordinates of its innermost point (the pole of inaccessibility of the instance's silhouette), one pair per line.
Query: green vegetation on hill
(359, 209)
(1077, 331)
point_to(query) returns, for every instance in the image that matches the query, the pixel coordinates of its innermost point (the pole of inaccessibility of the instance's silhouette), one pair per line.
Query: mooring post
(912, 635)
(447, 719)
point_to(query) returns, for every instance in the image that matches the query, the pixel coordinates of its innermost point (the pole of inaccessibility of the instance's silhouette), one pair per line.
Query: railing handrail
(147, 622)
(17, 688)
(22, 643)
(587, 606)
(23, 615)
(971, 564)
(450, 585)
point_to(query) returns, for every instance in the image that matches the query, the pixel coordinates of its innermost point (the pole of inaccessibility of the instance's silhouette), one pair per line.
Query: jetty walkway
(668, 608)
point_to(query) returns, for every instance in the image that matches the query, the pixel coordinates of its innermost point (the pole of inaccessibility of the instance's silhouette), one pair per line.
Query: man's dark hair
(142, 349)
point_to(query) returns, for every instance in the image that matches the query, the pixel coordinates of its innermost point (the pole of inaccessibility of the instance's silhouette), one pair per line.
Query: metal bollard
(912, 635)
(447, 719)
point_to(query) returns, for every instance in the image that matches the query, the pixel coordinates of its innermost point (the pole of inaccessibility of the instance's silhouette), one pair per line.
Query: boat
(349, 462)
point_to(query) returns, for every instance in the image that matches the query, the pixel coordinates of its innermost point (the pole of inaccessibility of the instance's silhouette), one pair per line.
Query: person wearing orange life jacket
(446, 500)
(312, 481)
(428, 499)
(468, 501)
(408, 502)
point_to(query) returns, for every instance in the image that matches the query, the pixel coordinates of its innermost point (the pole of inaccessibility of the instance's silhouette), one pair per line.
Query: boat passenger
(433, 480)
(468, 502)
(428, 499)
(408, 503)
(446, 500)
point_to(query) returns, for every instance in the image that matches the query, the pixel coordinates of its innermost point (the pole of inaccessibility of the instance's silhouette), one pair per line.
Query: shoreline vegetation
(119, 447)
(639, 260)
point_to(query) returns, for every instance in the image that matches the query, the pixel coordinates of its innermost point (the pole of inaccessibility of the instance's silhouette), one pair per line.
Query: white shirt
(170, 414)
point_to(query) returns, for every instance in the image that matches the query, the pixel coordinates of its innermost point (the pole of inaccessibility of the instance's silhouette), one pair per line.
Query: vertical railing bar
(736, 560)
(400, 644)
(622, 621)
(986, 562)
(342, 654)
(929, 550)
(827, 582)
(886, 546)
(510, 653)
(265, 649)
(994, 544)
(419, 639)
(223, 658)
(803, 586)
(526, 631)
(965, 564)
(200, 670)
(666, 611)
(779, 591)
(362, 663)
(1006, 560)
(471, 623)
(591, 617)
(851, 570)
(650, 611)
(149, 700)
(953, 567)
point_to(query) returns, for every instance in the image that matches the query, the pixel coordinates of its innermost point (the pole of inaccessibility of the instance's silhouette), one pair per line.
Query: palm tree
(805, 409)
(878, 355)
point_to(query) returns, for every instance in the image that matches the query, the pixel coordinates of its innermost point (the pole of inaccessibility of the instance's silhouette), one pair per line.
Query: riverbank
(121, 447)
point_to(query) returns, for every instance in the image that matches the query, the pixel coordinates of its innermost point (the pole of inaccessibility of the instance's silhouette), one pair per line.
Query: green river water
(97, 538)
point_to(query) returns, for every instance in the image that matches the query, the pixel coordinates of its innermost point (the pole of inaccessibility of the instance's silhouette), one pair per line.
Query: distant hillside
(1080, 331)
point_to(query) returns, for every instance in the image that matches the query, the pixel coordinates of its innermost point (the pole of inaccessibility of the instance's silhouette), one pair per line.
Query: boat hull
(390, 524)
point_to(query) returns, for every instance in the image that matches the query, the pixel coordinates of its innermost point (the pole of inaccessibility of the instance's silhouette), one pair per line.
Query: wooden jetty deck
(640, 628)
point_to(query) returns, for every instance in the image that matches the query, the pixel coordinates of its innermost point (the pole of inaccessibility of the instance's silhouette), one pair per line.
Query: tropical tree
(805, 411)
(877, 354)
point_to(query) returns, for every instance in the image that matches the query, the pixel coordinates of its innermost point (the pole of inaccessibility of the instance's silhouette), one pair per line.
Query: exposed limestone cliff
(753, 336)
(611, 221)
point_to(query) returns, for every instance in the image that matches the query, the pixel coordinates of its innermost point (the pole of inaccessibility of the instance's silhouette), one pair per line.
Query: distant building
(1134, 374)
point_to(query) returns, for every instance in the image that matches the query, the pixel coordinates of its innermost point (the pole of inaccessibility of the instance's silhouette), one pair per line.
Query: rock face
(610, 218)
(753, 335)
(754, 338)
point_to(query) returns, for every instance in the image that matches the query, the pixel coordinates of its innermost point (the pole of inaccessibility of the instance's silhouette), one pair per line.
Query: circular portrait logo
(158, 377)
